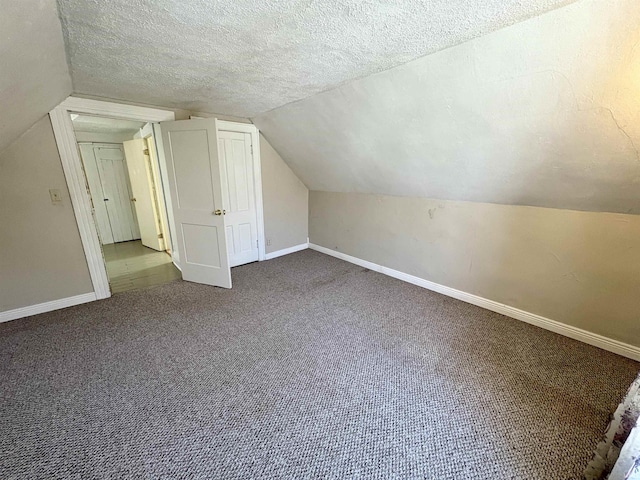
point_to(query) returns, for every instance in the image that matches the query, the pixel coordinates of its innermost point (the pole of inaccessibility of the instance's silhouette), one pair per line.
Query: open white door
(193, 171)
(140, 176)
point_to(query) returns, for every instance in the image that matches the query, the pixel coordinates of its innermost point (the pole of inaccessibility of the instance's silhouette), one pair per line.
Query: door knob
(218, 212)
(133, 199)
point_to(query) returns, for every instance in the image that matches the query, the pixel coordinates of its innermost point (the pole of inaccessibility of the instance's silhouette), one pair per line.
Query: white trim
(46, 307)
(579, 334)
(286, 251)
(74, 172)
(80, 200)
(116, 110)
(227, 126)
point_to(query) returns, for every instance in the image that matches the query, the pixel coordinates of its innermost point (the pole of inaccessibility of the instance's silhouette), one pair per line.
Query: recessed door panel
(201, 245)
(193, 177)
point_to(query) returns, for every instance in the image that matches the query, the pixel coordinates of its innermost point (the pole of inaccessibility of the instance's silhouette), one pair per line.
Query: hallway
(131, 265)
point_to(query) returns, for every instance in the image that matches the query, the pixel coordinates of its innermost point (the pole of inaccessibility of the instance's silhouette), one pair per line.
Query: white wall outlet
(56, 196)
(268, 242)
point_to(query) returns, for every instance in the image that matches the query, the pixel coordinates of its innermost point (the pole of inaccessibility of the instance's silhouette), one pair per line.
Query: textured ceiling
(34, 76)
(91, 124)
(543, 113)
(244, 57)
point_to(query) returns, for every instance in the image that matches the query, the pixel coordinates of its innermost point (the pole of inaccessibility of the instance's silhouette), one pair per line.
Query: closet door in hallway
(109, 186)
(115, 185)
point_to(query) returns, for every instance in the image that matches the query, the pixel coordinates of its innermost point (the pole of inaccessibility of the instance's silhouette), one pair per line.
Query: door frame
(226, 126)
(75, 176)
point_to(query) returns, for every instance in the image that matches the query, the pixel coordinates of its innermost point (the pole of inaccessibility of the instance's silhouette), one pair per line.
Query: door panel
(97, 195)
(143, 191)
(201, 244)
(116, 194)
(238, 193)
(193, 178)
(193, 171)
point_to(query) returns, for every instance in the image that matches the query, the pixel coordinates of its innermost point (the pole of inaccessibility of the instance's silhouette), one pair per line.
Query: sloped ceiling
(543, 113)
(245, 57)
(34, 75)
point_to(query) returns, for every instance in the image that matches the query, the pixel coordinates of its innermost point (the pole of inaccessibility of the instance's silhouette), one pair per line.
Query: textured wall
(286, 202)
(578, 268)
(34, 75)
(42, 257)
(242, 57)
(544, 113)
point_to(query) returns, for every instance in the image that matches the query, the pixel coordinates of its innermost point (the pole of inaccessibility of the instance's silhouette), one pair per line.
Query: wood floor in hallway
(131, 265)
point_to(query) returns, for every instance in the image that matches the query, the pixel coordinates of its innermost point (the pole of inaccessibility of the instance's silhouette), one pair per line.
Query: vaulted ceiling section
(532, 103)
(245, 57)
(34, 76)
(542, 113)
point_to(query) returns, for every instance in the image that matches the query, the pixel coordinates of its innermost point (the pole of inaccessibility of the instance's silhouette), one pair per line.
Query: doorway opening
(192, 173)
(123, 180)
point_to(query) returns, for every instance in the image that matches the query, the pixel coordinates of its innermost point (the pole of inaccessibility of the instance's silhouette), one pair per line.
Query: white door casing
(193, 171)
(143, 193)
(75, 176)
(238, 196)
(76, 181)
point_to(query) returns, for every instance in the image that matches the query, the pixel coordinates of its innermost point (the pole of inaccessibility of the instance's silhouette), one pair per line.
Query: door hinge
(252, 149)
(160, 235)
(146, 151)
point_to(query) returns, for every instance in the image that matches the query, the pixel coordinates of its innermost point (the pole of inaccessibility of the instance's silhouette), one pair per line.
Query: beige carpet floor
(309, 367)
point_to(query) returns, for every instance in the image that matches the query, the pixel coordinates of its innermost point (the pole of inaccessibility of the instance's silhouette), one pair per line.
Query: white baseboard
(46, 307)
(286, 251)
(596, 340)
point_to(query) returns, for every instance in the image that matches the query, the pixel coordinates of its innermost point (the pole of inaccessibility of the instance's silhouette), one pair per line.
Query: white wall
(42, 257)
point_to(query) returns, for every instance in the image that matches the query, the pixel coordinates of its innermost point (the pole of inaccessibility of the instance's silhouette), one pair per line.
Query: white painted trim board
(286, 251)
(575, 333)
(46, 307)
